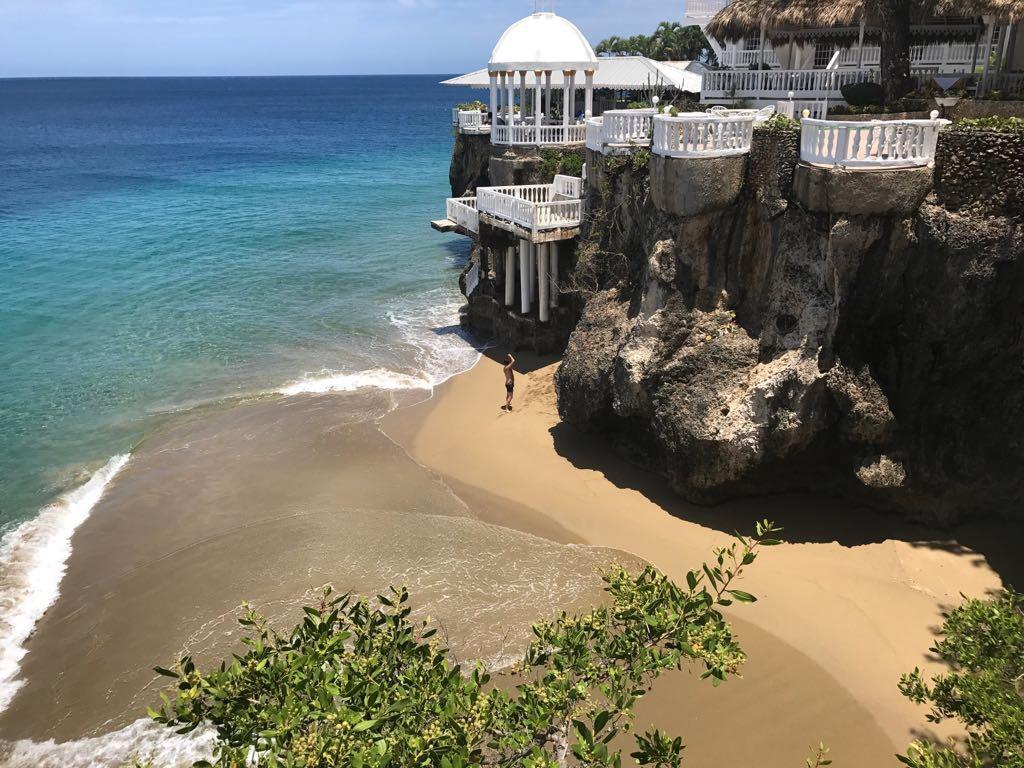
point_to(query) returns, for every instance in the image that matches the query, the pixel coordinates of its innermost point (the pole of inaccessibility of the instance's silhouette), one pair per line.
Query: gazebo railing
(535, 207)
(530, 134)
(777, 83)
(702, 135)
(874, 144)
(462, 211)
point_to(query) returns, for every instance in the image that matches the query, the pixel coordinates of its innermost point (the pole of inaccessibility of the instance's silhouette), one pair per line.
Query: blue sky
(261, 37)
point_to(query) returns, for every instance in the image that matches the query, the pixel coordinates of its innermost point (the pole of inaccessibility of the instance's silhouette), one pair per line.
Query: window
(751, 43)
(823, 53)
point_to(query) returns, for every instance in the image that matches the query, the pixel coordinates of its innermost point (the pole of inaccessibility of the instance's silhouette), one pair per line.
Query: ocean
(172, 245)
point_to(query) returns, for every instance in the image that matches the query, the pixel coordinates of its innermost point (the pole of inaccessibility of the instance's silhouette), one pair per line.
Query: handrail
(530, 134)
(621, 128)
(869, 144)
(702, 135)
(463, 211)
(535, 207)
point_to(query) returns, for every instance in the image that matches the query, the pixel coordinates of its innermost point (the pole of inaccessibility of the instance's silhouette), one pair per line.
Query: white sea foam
(33, 558)
(143, 740)
(376, 378)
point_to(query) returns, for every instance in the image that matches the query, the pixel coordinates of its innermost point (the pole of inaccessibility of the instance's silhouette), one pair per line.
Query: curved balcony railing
(530, 134)
(535, 207)
(462, 211)
(702, 135)
(874, 144)
(620, 129)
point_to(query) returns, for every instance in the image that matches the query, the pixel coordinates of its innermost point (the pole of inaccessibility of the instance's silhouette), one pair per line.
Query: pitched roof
(615, 72)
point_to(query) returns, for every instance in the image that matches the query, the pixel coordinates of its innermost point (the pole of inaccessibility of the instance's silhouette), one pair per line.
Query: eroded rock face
(470, 163)
(770, 344)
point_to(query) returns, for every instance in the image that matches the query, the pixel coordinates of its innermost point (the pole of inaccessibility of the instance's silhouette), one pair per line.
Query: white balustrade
(795, 109)
(872, 144)
(536, 207)
(620, 129)
(595, 134)
(704, 10)
(702, 135)
(462, 211)
(953, 54)
(745, 57)
(530, 134)
(777, 83)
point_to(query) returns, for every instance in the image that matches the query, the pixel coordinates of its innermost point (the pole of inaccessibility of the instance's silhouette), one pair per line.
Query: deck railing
(955, 54)
(778, 83)
(874, 144)
(1011, 83)
(744, 57)
(702, 135)
(530, 134)
(535, 207)
(620, 129)
(462, 211)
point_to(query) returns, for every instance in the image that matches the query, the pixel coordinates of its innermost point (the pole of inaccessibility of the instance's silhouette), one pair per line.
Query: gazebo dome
(542, 41)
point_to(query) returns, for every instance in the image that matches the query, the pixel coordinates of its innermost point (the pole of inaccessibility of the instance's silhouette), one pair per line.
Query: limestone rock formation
(792, 334)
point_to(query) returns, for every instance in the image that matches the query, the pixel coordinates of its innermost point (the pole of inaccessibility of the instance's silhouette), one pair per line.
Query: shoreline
(854, 595)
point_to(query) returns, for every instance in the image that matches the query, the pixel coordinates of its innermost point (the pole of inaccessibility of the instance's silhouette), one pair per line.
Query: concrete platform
(444, 225)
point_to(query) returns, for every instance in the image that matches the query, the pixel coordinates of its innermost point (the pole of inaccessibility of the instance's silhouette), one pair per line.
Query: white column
(553, 270)
(494, 96)
(565, 100)
(589, 103)
(522, 95)
(524, 277)
(572, 97)
(538, 113)
(547, 96)
(543, 308)
(860, 46)
(532, 250)
(510, 106)
(501, 96)
(983, 84)
(510, 276)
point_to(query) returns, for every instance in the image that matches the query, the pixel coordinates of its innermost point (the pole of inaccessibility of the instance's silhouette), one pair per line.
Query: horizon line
(218, 77)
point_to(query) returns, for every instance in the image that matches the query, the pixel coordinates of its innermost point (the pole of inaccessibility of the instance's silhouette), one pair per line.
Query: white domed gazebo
(540, 44)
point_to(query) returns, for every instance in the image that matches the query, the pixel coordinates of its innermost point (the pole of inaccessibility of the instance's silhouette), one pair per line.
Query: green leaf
(743, 597)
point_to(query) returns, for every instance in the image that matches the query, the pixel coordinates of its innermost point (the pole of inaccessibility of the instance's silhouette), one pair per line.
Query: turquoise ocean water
(167, 243)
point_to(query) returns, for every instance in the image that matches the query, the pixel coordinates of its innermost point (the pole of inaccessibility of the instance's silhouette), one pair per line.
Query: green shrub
(896, 107)
(1002, 124)
(983, 646)
(361, 684)
(471, 106)
(778, 124)
(560, 161)
(863, 94)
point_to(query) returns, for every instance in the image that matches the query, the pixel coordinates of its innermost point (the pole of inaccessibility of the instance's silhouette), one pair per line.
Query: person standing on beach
(510, 382)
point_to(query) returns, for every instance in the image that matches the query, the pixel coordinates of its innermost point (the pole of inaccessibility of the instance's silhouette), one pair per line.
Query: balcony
(703, 135)
(535, 212)
(878, 144)
(744, 58)
(470, 121)
(619, 130)
(950, 57)
(776, 84)
(701, 11)
(531, 134)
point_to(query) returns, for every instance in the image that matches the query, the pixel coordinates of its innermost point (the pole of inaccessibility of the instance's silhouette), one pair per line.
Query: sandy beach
(849, 603)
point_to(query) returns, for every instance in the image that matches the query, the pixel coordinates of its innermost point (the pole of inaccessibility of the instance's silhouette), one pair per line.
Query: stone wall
(981, 171)
(774, 344)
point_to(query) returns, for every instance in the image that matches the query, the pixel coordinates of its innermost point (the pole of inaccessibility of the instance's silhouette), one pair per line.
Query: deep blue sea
(166, 243)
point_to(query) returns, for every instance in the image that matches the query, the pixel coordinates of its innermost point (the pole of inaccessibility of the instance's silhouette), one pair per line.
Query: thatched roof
(840, 19)
(1003, 10)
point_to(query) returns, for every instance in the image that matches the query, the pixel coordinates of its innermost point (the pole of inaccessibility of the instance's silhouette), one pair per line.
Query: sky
(55, 38)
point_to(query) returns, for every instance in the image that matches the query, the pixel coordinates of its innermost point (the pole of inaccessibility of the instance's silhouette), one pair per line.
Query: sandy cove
(846, 606)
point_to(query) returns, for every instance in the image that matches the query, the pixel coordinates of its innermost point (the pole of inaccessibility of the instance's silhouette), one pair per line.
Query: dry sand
(847, 606)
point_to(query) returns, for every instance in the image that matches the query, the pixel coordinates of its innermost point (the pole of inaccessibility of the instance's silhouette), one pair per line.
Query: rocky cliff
(751, 325)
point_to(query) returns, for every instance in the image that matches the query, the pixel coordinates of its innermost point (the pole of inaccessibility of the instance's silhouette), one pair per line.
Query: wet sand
(845, 608)
(266, 502)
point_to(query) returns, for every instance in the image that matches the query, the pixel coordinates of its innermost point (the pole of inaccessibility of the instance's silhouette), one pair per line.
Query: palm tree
(670, 42)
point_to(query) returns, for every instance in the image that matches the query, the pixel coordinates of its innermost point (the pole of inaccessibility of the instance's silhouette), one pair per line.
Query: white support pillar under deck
(543, 300)
(553, 273)
(532, 250)
(510, 276)
(524, 277)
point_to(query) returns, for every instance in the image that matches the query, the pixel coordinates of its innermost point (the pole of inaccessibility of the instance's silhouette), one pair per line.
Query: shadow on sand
(845, 522)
